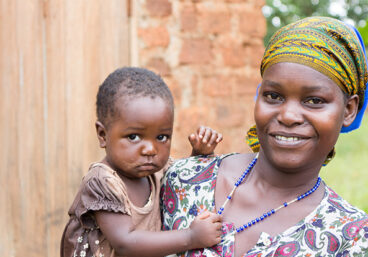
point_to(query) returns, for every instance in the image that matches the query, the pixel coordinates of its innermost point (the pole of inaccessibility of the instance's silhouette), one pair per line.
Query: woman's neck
(273, 178)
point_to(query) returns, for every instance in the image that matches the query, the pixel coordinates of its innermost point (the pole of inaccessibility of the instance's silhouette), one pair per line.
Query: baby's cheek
(164, 154)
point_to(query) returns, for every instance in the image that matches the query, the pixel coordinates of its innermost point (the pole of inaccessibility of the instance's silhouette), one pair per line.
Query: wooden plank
(30, 126)
(9, 88)
(55, 125)
(53, 56)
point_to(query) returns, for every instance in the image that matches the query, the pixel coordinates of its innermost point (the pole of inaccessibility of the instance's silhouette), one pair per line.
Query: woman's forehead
(295, 73)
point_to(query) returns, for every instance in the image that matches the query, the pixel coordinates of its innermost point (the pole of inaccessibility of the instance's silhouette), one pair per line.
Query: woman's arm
(205, 231)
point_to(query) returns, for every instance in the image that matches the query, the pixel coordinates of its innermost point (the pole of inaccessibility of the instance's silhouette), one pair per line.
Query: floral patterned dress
(334, 228)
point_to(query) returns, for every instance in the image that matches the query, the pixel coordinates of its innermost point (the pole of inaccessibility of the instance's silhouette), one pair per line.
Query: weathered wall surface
(208, 52)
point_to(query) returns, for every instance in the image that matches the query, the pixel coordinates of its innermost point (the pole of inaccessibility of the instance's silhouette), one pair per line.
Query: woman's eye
(273, 96)
(133, 137)
(162, 138)
(315, 100)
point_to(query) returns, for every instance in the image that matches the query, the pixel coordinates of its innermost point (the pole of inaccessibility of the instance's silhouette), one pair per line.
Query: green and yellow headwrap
(324, 44)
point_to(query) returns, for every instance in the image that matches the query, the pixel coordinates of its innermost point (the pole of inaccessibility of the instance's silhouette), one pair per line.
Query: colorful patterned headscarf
(327, 45)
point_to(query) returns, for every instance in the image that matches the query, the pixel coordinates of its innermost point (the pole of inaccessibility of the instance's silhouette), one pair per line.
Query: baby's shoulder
(102, 179)
(100, 171)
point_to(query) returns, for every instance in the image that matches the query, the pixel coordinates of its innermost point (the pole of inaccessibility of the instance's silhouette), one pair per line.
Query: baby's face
(299, 114)
(138, 140)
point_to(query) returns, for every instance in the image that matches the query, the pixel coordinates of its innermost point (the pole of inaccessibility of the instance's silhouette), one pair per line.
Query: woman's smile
(282, 139)
(289, 141)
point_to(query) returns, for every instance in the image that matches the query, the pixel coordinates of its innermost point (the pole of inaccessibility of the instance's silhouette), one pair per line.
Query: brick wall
(208, 52)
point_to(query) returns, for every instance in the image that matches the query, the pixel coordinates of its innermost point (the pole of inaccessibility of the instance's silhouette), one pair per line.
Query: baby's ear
(351, 110)
(101, 133)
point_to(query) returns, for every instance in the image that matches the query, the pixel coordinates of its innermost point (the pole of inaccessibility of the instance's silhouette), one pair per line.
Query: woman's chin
(291, 162)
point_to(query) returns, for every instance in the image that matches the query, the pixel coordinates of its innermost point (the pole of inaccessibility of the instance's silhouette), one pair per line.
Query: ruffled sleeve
(101, 190)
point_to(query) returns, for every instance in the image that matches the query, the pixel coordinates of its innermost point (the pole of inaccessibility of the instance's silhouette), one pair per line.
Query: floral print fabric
(334, 228)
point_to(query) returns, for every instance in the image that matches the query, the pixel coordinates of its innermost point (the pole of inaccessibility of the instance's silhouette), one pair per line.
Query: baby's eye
(314, 100)
(162, 138)
(133, 137)
(272, 96)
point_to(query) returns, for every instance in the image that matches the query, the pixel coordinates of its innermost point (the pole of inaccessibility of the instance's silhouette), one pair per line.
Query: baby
(116, 211)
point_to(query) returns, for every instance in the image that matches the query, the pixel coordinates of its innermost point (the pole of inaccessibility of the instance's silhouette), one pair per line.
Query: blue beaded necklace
(270, 212)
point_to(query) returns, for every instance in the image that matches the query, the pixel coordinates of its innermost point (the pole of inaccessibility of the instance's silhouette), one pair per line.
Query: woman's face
(299, 114)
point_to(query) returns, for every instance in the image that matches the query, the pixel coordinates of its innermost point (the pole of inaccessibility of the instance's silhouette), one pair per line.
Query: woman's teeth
(289, 139)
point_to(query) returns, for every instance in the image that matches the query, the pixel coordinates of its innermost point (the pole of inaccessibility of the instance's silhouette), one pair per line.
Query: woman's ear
(101, 133)
(351, 110)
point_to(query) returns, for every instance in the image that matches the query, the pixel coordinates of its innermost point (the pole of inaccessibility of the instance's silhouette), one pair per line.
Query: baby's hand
(205, 230)
(205, 141)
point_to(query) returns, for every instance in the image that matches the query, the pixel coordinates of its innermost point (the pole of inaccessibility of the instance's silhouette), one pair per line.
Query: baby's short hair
(129, 82)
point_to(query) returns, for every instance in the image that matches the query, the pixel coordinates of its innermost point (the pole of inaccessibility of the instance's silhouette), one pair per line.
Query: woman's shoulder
(232, 162)
(336, 202)
(187, 167)
(198, 161)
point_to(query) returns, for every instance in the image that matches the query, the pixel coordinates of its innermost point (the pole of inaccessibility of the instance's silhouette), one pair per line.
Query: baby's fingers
(193, 139)
(215, 138)
(219, 138)
(215, 217)
(218, 233)
(201, 131)
(207, 135)
(204, 215)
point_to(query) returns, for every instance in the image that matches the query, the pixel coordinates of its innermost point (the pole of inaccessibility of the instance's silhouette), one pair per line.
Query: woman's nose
(149, 149)
(290, 114)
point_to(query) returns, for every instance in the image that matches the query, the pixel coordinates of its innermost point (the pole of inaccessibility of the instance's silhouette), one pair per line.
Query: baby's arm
(204, 141)
(205, 231)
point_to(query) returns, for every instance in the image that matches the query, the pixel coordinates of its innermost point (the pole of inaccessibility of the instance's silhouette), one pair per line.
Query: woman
(314, 77)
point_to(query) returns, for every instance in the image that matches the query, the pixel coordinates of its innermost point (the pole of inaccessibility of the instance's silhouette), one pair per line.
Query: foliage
(282, 12)
(364, 32)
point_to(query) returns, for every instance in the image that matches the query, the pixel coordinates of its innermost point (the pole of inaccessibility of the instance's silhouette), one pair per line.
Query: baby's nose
(149, 149)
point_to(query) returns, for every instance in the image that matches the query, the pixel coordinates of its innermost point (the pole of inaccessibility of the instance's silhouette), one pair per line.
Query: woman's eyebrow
(316, 88)
(306, 88)
(271, 83)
